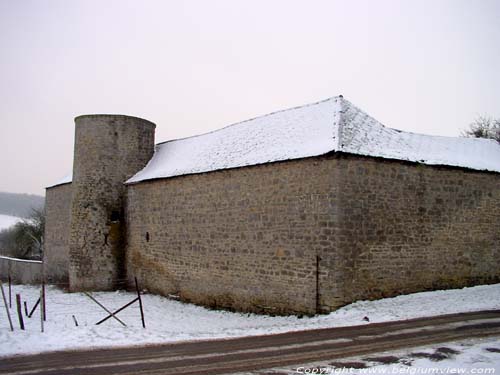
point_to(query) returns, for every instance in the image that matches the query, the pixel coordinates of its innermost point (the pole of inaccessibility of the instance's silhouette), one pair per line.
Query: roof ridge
(340, 122)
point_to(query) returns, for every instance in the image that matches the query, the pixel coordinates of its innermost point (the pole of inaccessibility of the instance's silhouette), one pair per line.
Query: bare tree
(25, 239)
(484, 127)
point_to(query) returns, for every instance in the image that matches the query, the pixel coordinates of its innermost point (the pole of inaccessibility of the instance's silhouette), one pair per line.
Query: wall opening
(115, 216)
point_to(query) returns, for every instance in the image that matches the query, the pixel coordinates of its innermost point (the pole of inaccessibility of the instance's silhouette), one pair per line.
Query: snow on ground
(474, 356)
(171, 321)
(7, 221)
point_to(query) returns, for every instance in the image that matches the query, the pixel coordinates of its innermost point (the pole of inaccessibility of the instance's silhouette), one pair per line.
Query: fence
(21, 271)
(24, 306)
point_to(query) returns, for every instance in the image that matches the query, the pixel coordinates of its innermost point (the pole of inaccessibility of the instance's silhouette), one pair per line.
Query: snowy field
(171, 321)
(7, 221)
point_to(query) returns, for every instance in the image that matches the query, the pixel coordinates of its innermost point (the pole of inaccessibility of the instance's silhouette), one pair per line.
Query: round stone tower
(109, 149)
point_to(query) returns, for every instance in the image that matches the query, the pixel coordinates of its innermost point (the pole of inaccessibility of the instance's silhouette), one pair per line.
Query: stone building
(299, 211)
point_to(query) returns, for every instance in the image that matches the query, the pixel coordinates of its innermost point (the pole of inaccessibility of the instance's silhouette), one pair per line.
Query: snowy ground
(7, 221)
(170, 321)
(476, 356)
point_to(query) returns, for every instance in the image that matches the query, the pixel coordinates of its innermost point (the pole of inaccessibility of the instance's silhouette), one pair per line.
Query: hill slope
(19, 205)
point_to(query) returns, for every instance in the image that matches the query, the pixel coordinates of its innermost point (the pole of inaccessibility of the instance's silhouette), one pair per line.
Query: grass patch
(436, 357)
(447, 351)
(386, 360)
(439, 354)
(493, 350)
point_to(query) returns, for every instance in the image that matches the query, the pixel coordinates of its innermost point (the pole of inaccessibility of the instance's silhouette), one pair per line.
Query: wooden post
(25, 308)
(140, 302)
(10, 292)
(19, 311)
(34, 308)
(317, 284)
(6, 306)
(43, 301)
(41, 310)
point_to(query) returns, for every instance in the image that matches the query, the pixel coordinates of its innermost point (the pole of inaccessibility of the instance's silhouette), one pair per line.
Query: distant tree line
(24, 239)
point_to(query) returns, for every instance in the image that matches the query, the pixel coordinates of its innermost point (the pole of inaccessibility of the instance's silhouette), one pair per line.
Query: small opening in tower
(147, 236)
(115, 216)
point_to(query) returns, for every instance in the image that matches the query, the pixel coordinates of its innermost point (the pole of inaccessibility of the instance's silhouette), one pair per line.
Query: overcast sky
(195, 66)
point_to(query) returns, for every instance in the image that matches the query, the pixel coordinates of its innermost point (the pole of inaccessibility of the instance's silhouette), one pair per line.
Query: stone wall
(243, 239)
(408, 227)
(313, 234)
(21, 271)
(109, 149)
(57, 227)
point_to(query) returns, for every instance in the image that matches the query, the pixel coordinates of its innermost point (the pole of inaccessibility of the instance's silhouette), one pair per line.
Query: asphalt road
(259, 352)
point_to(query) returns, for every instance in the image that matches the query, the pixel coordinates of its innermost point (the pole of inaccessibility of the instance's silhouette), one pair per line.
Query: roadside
(259, 352)
(169, 321)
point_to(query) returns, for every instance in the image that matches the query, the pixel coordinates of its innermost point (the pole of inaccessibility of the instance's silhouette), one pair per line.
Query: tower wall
(109, 149)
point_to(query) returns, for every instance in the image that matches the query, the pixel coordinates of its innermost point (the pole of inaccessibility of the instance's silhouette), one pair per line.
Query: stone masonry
(108, 150)
(57, 218)
(314, 234)
(408, 227)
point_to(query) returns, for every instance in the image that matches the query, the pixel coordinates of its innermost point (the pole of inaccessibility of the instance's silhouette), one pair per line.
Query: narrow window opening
(147, 236)
(115, 216)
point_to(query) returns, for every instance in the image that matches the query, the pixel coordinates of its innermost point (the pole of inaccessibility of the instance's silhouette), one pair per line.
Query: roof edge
(333, 152)
(107, 115)
(57, 185)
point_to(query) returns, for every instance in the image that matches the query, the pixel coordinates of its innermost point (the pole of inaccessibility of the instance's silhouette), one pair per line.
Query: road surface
(259, 352)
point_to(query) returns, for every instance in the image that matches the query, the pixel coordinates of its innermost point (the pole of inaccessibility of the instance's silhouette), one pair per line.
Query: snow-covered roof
(331, 125)
(315, 129)
(65, 180)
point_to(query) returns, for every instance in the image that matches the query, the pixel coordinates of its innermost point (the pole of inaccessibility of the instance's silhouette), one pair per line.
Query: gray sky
(195, 66)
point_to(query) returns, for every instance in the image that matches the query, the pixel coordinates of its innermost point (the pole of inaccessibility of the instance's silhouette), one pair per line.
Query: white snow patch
(473, 356)
(7, 221)
(171, 321)
(65, 180)
(20, 260)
